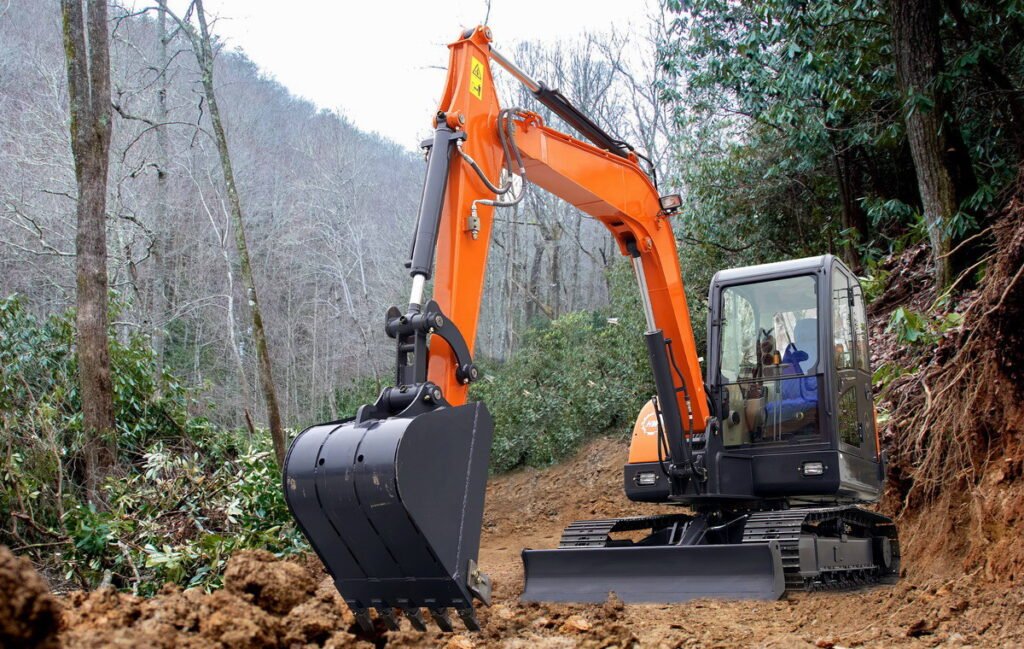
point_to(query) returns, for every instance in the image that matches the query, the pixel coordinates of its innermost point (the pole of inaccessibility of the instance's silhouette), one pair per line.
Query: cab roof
(775, 269)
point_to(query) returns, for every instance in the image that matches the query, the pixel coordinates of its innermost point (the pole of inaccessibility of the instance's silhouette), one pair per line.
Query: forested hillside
(889, 134)
(317, 193)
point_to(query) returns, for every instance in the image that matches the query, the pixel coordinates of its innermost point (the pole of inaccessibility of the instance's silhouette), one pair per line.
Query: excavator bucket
(394, 507)
(654, 574)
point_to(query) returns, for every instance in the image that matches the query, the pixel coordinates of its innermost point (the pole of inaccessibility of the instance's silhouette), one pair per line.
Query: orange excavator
(769, 452)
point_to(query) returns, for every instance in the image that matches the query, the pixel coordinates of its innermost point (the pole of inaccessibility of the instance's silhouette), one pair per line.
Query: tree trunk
(158, 303)
(533, 284)
(556, 268)
(88, 69)
(852, 216)
(204, 54)
(919, 62)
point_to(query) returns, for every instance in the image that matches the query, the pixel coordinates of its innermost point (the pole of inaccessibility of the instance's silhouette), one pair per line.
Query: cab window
(843, 340)
(860, 329)
(769, 361)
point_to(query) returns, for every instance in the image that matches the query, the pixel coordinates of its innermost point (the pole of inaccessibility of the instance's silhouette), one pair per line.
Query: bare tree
(87, 55)
(308, 219)
(203, 49)
(158, 287)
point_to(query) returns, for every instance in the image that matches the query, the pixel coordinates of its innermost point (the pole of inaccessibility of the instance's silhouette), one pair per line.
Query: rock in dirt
(275, 586)
(318, 619)
(459, 642)
(29, 614)
(575, 624)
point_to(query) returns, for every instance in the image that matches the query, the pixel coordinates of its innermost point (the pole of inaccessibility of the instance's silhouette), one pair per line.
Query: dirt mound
(265, 603)
(589, 485)
(29, 615)
(275, 586)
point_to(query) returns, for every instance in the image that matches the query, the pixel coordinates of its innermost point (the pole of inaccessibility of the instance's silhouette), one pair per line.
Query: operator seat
(805, 342)
(797, 404)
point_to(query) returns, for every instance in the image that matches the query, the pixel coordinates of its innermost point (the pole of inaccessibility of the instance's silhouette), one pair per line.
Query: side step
(654, 573)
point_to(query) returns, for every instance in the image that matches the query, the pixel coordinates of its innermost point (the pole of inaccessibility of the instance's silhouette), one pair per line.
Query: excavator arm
(392, 500)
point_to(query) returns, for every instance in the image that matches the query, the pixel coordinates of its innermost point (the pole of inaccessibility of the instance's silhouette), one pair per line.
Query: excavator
(764, 459)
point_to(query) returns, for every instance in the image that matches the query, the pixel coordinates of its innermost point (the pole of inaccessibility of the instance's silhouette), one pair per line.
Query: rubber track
(786, 526)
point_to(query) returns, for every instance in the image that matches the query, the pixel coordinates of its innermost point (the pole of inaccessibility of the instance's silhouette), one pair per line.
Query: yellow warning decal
(476, 78)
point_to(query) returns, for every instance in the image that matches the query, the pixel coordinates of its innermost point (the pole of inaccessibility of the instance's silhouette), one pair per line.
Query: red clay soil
(271, 603)
(29, 615)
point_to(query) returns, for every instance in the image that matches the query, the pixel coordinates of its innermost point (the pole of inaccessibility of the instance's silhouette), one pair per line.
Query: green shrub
(911, 327)
(578, 376)
(348, 398)
(182, 497)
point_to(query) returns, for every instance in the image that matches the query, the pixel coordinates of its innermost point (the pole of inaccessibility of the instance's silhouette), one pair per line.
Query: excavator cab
(790, 374)
(789, 378)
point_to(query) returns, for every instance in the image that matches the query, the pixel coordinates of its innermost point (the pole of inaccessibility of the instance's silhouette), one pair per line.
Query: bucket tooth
(468, 616)
(442, 620)
(415, 616)
(387, 614)
(364, 620)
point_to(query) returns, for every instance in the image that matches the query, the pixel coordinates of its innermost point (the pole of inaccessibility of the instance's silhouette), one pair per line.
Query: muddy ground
(271, 603)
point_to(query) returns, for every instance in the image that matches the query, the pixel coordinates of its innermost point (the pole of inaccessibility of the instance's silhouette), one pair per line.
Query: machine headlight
(813, 468)
(646, 479)
(670, 203)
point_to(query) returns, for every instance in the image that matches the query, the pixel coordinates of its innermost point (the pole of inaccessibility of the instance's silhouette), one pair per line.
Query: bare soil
(29, 614)
(267, 602)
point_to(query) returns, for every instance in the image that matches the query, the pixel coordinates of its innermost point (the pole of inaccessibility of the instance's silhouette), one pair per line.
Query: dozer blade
(654, 574)
(394, 507)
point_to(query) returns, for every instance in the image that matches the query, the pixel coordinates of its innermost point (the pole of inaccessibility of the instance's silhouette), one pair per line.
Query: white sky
(374, 61)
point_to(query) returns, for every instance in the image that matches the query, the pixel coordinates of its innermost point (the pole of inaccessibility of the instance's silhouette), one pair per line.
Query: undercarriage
(756, 554)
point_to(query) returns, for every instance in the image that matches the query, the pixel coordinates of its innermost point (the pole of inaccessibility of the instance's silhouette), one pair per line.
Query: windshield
(769, 360)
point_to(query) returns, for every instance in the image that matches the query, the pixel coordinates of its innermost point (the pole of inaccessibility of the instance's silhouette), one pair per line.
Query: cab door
(854, 412)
